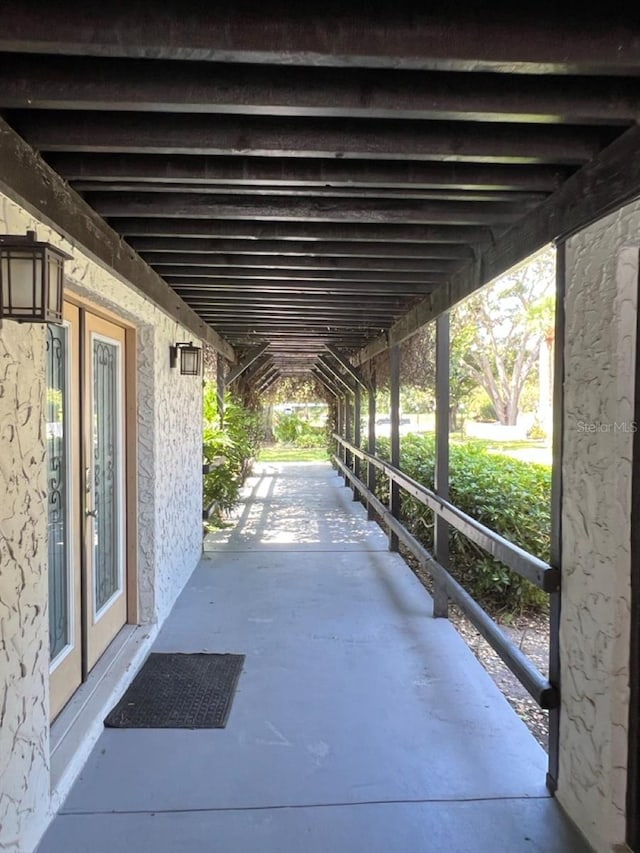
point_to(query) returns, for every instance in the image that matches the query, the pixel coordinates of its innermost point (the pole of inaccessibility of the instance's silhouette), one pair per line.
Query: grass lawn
(288, 453)
(527, 450)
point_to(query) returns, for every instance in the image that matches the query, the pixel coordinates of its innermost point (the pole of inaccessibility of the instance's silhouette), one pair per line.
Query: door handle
(91, 512)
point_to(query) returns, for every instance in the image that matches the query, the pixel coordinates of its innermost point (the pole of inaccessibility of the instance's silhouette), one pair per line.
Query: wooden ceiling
(316, 174)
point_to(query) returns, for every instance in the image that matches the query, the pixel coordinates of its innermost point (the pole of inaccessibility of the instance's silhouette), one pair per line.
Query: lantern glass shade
(31, 280)
(190, 360)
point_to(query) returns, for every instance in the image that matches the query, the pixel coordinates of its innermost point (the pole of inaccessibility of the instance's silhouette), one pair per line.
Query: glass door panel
(104, 484)
(62, 509)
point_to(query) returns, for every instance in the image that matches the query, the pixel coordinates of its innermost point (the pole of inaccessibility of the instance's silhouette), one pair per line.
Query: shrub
(507, 495)
(292, 429)
(237, 440)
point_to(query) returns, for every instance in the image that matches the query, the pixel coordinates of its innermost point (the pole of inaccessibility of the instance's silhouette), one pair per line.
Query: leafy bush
(292, 429)
(507, 495)
(237, 440)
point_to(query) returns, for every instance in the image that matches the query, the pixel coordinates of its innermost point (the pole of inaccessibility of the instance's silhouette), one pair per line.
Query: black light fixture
(190, 358)
(31, 279)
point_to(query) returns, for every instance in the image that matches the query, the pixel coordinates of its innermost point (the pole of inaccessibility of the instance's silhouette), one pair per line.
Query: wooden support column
(394, 396)
(340, 424)
(348, 432)
(441, 533)
(371, 470)
(220, 387)
(357, 434)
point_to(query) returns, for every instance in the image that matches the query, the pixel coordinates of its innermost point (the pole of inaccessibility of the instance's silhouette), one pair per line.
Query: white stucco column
(600, 304)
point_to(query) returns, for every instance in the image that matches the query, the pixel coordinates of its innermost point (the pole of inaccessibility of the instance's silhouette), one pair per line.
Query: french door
(86, 494)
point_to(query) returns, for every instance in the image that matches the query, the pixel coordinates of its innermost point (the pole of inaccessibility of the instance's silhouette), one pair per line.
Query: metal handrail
(538, 686)
(531, 568)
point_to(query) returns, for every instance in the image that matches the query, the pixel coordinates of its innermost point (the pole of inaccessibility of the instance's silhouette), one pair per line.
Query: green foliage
(237, 441)
(293, 429)
(510, 497)
(288, 453)
(536, 431)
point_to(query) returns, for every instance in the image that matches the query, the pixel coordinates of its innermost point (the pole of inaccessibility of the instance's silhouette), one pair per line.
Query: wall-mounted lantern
(190, 358)
(31, 279)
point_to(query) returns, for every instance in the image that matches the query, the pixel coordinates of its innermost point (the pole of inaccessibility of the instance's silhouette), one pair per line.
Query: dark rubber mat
(179, 691)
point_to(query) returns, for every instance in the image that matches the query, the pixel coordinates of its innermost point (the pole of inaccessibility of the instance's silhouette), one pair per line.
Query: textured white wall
(601, 304)
(169, 513)
(24, 638)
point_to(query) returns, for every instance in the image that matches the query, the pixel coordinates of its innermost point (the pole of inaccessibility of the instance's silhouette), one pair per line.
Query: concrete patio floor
(360, 723)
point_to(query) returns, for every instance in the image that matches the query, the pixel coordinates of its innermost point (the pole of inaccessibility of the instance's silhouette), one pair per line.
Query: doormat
(179, 691)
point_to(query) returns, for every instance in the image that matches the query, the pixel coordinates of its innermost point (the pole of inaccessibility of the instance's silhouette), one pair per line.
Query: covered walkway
(360, 723)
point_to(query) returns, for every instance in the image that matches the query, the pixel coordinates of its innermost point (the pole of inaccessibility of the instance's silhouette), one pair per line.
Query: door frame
(130, 422)
(65, 671)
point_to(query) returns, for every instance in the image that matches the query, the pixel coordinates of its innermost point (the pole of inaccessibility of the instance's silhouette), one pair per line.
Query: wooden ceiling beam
(475, 235)
(226, 192)
(309, 209)
(151, 247)
(369, 139)
(332, 33)
(242, 289)
(170, 273)
(163, 260)
(84, 83)
(306, 172)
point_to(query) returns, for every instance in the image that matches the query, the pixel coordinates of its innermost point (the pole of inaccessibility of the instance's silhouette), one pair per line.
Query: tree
(497, 332)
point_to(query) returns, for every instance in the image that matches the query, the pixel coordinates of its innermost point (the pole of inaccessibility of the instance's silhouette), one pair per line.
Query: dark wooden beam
(363, 290)
(333, 33)
(311, 231)
(26, 179)
(268, 192)
(308, 137)
(151, 247)
(346, 365)
(53, 83)
(241, 301)
(310, 209)
(160, 261)
(170, 273)
(296, 171)
(595, 190)
(247, 360)
(324, 380)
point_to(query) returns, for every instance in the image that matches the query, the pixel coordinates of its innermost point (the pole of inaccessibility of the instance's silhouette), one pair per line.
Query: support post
(556, 512)
(371, 469)
(340, 406)
(348, 431)
(441, 532)
(357, 434)
(394, 395)
(220, 387)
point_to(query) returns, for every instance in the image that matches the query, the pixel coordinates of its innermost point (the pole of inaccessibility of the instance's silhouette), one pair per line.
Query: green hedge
(507, 495)
(292, 429)
(238, 441)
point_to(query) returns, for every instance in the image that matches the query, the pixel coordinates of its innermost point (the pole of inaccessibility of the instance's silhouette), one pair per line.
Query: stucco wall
(601, 303)
(24, 638)
(169, 408)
